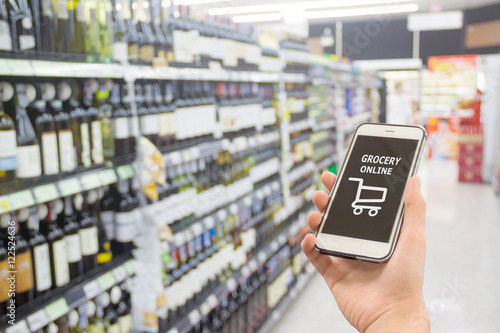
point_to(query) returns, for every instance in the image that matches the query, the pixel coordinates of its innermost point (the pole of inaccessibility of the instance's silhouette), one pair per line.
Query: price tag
(186, 155)
(195, 152)
(282, 239)
(205, 309)
(274, 246)
(37, 320)
(120, 273)
(21, 199)
(4, 204)
(262, 257)
(173, 330)
(91, 289)
(57, 309)
(176, 158)
(130, 267)
(245, 271)
(253, 265)
(108, 177)
(69, 186)
(90, 181)
(212, 301)
(231, 284)
(106, 281)
(45, 193)
(194, 317)
(125, 172)
(19, 327)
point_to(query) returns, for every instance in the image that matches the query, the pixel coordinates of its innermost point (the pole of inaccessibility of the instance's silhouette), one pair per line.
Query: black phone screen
(371, 190)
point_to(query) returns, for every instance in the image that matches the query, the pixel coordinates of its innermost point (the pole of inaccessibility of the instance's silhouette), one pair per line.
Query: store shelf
(450, 114)
(294, 78)
(199, 151)
(41, 314)
(51, 188)
(43, 68)
(301, 125)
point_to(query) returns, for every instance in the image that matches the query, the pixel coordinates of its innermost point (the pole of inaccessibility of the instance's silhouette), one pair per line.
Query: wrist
(408, 317)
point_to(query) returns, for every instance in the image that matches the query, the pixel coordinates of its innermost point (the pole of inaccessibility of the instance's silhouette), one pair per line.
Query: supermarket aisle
(463, 243)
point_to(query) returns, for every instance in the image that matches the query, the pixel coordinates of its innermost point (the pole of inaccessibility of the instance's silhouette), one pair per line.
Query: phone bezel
(361, 249)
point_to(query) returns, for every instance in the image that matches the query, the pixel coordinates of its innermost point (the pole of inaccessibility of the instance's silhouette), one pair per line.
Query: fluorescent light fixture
(276, 7)
(436, 21)
(196, 2)
(388, 64)
(352, 12)
(256, 18)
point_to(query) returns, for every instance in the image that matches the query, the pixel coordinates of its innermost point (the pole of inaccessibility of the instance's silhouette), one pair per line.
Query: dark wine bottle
(107, 212)
(5, 34)
(72, 235)
(77, 27)
(67, 158)
(22, 25)
(123, 309)
(89, 88)
(121, 130)
(120, 40)
(149, 120)
(62, 28)
(28, 150)
(24, 289)
(8, 148)
(125, 220)
(141, 16)
(161, 44)
(104, 254)
(4, 264)
(88, 233)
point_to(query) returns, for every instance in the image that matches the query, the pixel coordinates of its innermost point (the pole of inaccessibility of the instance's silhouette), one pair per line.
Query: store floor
(462, 284)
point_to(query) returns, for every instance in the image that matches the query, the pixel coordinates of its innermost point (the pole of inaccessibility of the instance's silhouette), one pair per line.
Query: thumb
(412, 239)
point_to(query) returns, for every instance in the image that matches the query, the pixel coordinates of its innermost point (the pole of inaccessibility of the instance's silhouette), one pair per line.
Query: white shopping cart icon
(360, 204)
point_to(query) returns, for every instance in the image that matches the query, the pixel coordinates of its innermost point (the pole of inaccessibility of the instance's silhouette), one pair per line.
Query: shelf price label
(194, 317)
(4, 204)
(57, 309)
(120, 273)
(212, 301)
(108, 177)
(45, 193)
(90, 181)
(37, 320)
(21, 199)
(125, 172)
(106, 281)
(91, 289)
(231, 284)
(130, 267)
(19, 327)
(69, 186)
(173, 330)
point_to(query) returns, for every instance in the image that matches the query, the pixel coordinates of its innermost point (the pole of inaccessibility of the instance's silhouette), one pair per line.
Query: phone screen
(371, 190)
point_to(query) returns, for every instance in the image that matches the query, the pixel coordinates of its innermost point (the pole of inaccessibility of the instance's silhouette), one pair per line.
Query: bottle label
(5, 39)
(8, 147)
(125, 323)
(26, 42)
(50, 156)
(28, 162)
(115, 328)
(4, 283)
(147, 53)
(125, 226)
(89, 241)
(108, 221)
(62, 10)
(163, 126)
(97, 149)
(80, 14)
(66, 150)
(61, 268)
(120, 52)
(73, 247)
(121, 129)
(42, 267)
(149, 124)
(85, 137)
(24, 275)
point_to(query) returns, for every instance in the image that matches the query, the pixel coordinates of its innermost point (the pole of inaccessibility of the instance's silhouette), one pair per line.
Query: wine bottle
(28, 150)
(104, 254)
(123, 308)
(88, 233)
(163, 115)
(105, 114)
(57, 245)
(121, 131)
(62, 120)
(123, 9)
(23, 266)
(161, 44)
(149, 120)
(76, 15)
(107, 213)
(133, 121)
(83, 324)
(98, 324)
(120, 41)
(166, 27)
(22, 26)
(73, 321)
(62, 27)
(8, 148)
(4, 264)
(39, 254)
(46, 129)
(141, 16)
(125, 220)
(110, 314)
(105, 19)
(89, 88)
(72, 236)
(5, 34)
(92, 31)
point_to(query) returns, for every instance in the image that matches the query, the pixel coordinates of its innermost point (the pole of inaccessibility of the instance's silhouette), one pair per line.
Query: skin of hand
(378, 298)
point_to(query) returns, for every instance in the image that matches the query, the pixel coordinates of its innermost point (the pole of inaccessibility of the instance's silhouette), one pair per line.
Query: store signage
(436, 21)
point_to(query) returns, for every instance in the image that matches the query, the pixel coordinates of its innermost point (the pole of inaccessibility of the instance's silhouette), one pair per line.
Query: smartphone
(364, 214)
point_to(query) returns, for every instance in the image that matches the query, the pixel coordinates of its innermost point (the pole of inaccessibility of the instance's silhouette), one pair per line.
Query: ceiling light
(256, 18)
(196, 2)
(276, 7)
(352, 12)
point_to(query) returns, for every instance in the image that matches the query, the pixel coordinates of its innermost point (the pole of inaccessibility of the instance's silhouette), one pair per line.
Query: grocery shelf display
(157, 167)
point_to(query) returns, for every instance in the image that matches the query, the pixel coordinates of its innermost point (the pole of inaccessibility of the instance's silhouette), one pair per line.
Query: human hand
(378, 297)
